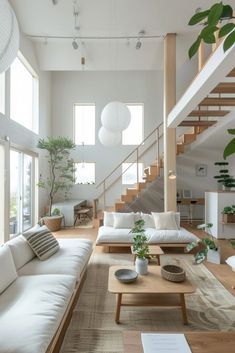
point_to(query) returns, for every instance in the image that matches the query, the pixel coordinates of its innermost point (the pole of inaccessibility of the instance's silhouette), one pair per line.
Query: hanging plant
(210, 19)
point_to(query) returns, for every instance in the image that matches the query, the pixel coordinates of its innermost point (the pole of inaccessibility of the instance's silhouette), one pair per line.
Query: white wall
(101, 88)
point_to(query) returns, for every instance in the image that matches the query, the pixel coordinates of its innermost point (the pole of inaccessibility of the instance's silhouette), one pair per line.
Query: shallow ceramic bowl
(126, 276)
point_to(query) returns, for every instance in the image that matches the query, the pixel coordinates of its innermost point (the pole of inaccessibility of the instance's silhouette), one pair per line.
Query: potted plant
(224, 178)
(61, 174)
(229, 214)
(207, 247)
(140, 247)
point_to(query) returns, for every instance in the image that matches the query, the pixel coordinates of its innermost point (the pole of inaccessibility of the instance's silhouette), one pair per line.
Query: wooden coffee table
(149, 290)
(154, 250)
(199, 342)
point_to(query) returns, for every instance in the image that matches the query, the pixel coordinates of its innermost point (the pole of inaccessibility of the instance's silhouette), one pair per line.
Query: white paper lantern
(115, 116)
(108, 138)
(9, 35)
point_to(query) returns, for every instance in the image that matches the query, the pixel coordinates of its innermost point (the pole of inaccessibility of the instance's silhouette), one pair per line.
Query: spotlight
(75, 44)
(138, 44)
(171, 175)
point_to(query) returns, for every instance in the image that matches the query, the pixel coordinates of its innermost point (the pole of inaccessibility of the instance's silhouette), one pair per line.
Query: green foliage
(221, 163)
(230, 148)
(140, 240)
(224, 178)
(229, 210)
(61, 166)
(56, 212)
(210, 19)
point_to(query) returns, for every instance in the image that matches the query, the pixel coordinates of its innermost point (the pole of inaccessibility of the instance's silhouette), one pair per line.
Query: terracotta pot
(228, 218)
(53, 223)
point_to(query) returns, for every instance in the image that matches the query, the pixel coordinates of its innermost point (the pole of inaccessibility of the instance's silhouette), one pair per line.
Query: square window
(136, 126)
(85, 173)
(84, 124)
(129, 173)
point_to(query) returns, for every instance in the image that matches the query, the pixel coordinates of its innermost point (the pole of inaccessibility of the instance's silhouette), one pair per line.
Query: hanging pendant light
(108, 138)
(115, 116)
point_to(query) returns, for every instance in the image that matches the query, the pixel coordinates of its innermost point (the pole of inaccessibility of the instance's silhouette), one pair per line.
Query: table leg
(134, 258)
(183, 309)
(118, 307)
(158, 260)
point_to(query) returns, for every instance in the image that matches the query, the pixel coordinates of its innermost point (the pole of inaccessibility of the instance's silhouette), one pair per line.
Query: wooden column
(169, 134)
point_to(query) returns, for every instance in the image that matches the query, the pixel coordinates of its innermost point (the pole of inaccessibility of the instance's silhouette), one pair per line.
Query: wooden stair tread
(197, 123)
(209, 101)
(231, 73)
(224, 87)
(212, 113)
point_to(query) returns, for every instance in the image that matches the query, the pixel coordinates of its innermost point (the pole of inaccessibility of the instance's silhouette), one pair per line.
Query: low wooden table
(149, 290)
(199, 342)
(154, 250)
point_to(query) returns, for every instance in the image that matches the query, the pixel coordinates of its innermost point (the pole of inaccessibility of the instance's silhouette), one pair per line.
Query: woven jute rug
(93, 329)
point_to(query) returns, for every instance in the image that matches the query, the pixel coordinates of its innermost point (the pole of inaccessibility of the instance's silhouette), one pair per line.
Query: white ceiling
(106, 18)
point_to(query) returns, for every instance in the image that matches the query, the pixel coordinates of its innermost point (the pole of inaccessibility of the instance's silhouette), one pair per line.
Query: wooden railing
(136, 154)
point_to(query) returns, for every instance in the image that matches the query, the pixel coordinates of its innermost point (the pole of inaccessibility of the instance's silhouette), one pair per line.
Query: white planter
(213, 256)
(141, 266)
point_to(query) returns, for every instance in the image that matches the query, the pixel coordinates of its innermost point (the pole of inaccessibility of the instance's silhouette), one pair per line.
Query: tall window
(24, 95)
(84, 124)
(21, 192)
(133, 135)
(2, 93)
(85, 173)
(2, 184)
(129, 173)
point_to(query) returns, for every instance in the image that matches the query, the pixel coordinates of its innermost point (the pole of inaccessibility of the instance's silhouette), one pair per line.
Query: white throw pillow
(177, 219)
(148, 220)
(165, 220)
(231, 261)
(108, 219)
(8, 272)
(123, 220)
(21, 251)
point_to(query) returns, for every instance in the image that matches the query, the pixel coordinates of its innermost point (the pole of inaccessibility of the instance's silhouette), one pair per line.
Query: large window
(84, 124)
(2, 192)
(85, 173)
(21, 192)
(24, 95)
(2, 93)
(133, 135)
(129, 173)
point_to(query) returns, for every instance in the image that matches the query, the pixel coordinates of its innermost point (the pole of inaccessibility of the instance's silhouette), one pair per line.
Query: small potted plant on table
(140, 247)
(229, 214)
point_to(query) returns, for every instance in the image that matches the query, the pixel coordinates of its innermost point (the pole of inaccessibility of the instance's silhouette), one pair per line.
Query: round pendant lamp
(9, 35)
(115, 116)
(108, 138)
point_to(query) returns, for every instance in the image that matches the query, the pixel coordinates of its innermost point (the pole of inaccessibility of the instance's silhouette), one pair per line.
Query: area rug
(93, 330)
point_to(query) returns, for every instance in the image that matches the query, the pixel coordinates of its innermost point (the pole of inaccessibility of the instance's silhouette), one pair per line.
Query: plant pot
(228, 218)
(141, 266)
(53, 223)
(213, 256)
(226, 188)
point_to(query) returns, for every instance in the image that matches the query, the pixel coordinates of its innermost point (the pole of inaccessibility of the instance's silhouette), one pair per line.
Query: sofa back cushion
(165, 220)
(123, 220)
(108, 219)
(148, 220)
(8, 272)
(21, 251)
(42, 242)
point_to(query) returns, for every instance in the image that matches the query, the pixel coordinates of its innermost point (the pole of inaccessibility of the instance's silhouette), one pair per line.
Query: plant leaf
(215, 13)
(194, 48)
(227, 12)
(231, 131)
(229, 149)
(226, 29)
(198, 17)
(229, 41)
(207, 34)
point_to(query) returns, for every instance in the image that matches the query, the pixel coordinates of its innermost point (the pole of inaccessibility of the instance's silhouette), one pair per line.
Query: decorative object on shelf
(208, 250)
(126, 276)
(224, 178)
(230, 148)
(108, 138)
(61, 168)
(201, 170)
(228, 214)
(140, 247)
(173, 273)
(211, 20)
(115, 117)
(9, 34)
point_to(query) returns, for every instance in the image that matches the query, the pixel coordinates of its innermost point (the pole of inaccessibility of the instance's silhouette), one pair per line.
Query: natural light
(129, 171)
(2, 93)
(85, 173)
(133, 135)
(84, 124)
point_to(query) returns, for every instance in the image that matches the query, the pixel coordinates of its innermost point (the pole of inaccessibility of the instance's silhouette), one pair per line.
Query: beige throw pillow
(165, 220)
(123, 220)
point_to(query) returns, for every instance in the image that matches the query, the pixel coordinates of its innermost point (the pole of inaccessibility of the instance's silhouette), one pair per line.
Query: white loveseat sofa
(36, 304)
(116, 227)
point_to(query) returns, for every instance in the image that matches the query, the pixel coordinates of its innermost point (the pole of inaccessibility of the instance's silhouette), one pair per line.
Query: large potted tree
(61, 174)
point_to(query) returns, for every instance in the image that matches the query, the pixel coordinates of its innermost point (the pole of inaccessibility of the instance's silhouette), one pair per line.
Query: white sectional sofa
(39, 296)
(118, 234)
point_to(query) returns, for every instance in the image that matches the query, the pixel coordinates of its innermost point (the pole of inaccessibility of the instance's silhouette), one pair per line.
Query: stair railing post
(104, 190)
(137, 164)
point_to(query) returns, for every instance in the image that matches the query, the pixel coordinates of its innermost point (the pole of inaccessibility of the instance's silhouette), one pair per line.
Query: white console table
(67, 208)
(215, 201)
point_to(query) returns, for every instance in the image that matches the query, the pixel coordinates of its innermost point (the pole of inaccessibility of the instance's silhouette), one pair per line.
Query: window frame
(74, 123)
(142, 124)
(84, 162)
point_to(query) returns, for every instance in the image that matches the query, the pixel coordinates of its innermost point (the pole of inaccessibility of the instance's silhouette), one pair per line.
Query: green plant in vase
(224, 178)
(140, 247)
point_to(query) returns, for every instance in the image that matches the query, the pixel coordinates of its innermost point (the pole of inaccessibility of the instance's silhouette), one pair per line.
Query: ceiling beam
(213, 113)
(224, 87)
(197, 123)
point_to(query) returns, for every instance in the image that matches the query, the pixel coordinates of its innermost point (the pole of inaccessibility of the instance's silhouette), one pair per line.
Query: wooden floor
(222, 272)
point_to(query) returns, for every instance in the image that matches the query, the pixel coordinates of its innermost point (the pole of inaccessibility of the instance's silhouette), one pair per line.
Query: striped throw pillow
(42, 242)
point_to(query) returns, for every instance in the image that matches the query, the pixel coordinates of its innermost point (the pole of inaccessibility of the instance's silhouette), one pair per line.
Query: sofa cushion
(21, 251)
(165, 220)
(108, 219)
(109, 235)
(41, 241)
(123, 220)
(231, 261)
(31, 310)
(8, 272)
(71, 259)
(148, 220)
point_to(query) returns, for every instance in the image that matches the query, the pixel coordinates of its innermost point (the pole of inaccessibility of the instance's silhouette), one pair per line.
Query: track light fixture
(75, 44)
(55, 2)
(140, 35)
(138, 44)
